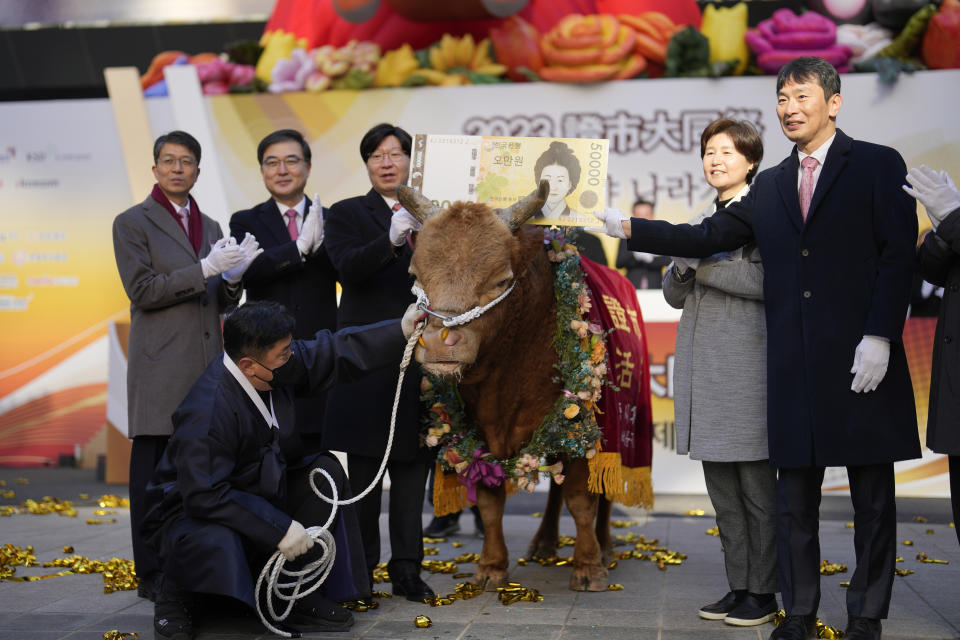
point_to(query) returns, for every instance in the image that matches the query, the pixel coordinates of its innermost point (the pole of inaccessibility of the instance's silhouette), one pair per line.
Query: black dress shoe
(754, 609)
(796, 628)
(171, 620)
(442, 526)
(411, 586)
(718, 610)
(862, 629)
(317, 613)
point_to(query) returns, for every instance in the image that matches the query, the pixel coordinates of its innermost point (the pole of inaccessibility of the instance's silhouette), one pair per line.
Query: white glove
(935, 191)
(870, 363)
(612, 221)
(295, 541)
(224, 254)
(401, 223)
(685, 264)
(251, 249)
(311, 235)
(410, 318)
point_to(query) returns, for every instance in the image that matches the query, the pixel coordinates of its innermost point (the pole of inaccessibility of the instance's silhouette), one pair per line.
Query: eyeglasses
(378, 158)
(168, 162)
(290, 162)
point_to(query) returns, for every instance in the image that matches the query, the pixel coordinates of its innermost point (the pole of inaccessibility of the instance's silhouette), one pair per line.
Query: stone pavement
(654, 603)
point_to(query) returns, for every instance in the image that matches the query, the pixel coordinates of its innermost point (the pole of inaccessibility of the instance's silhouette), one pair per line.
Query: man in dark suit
(180, 275)
(644, 270)
(366, 240)
(836, 236)
(294, 268)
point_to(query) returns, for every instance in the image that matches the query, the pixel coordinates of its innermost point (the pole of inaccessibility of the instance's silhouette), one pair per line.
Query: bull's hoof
(542, 548)
(490, 579)
(590, 578)
(607, 556)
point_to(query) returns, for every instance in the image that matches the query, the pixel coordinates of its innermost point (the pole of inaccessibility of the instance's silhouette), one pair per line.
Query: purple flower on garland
(479, 470)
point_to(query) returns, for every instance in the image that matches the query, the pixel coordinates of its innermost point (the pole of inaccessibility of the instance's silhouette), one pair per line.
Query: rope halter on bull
(316, 572)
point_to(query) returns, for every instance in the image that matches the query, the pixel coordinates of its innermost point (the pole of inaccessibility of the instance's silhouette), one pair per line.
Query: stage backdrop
(63, 179)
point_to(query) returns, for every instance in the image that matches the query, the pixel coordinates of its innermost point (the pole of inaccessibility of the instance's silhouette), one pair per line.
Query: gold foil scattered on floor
(903, 572)
(431, 551)
(422, 622)
(622, 524)
(456, 544)
(615, 587)
(919, 519)
(429, 540)
(829, 568)
(922, 557)
(111, 501)
(908, 543)
(120, 635)
(467, 557)
(713, 531)
(515, 592)
(694, 512)
(439, 566)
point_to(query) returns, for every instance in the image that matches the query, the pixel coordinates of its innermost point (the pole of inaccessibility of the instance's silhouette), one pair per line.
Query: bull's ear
(524, 209)
(414, 202)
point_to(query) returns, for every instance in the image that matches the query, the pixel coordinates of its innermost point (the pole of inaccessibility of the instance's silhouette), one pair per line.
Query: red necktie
(397, 206)
(809, 165)
(292, 223)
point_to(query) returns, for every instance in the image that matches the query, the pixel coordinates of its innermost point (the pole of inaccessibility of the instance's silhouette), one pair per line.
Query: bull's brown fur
(465, 257)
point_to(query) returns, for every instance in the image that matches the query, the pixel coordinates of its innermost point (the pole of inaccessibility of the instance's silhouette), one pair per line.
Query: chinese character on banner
(623, 369)
(617, 314)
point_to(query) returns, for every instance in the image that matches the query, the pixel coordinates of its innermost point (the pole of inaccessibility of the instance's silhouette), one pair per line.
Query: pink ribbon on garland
(479, 470)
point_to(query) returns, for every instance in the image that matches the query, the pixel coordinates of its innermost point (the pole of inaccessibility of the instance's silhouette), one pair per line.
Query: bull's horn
(414, 202)
(525, 208)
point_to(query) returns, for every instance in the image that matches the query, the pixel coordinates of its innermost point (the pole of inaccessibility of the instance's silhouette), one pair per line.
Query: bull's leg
(604, 507)
(492, 568)
(544, 543)
(589, 572)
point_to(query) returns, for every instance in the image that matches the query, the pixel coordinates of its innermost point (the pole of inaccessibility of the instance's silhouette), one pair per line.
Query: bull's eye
(502, 284)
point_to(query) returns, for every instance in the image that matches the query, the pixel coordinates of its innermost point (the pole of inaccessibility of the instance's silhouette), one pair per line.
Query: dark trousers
(407, 483)
(874, 539)
(145, 453)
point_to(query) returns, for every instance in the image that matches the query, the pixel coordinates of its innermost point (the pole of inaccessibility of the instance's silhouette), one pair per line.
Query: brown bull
(467, 256)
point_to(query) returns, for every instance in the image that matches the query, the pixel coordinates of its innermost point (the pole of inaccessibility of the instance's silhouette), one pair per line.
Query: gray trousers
(744, 495)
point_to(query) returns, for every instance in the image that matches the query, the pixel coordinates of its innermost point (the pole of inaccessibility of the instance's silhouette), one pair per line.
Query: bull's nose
(450, 337)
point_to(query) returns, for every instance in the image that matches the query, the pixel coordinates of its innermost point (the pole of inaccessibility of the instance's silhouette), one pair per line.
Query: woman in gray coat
(719, 384)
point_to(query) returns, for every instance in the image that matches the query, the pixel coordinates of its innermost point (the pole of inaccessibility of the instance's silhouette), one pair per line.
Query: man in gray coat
(180, 275)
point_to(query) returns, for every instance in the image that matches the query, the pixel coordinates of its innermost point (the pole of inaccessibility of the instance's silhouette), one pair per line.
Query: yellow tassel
(631, 486)
(449, 495)
(638, 487)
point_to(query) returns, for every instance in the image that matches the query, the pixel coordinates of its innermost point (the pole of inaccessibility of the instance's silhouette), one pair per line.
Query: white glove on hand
(311, 235)
(251, 249)
(410, 318)
(224, 254)
(401, 223)
(685, 264)
(295, 541)
(935, 191)
(612, 221)
(870, 363)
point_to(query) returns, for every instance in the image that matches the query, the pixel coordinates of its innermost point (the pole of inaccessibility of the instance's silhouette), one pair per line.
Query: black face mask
(272, 375)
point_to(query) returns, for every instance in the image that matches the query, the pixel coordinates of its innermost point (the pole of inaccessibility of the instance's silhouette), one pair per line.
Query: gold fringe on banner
(449, 494)
(631, 486)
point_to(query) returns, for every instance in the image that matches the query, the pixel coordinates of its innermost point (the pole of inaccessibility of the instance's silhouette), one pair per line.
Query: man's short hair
(284, 135)
(808, 68)
(254, 327)
(373, 138)
(177, 137)
(640, 201)
(745, 139)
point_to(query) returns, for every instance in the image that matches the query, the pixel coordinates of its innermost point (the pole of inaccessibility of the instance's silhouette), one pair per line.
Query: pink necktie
(397, 206)
(809, 165)
(184, 214)
(292, 223)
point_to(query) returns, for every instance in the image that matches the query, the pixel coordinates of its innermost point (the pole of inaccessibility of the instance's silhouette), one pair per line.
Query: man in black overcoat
(294, 268)
(837, 238)
(366, 238)
(232, 486)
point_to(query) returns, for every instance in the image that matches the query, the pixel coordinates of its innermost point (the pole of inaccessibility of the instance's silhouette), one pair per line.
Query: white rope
(317, 571)
(423, 303)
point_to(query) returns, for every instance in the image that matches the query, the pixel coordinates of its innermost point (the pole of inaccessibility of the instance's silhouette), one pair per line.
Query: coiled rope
(295, 582)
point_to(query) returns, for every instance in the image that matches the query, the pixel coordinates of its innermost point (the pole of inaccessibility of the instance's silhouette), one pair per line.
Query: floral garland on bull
(569, 429)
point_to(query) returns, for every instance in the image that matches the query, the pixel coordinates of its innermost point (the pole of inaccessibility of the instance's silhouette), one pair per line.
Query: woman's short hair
(745, 138)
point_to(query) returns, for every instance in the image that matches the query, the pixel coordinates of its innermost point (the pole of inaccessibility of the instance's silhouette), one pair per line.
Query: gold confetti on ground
(919, 519)
(467, 557)
(12, 556)
(7, 494)
(104, 512)
(694, 512)
(908, 543)
(361, 606)
(466, 590)
(468, 574)
(120, 635)
(823, 631)
(929, 532)
(565, 541)
(951, 525)
(422, 622)
(456, 544)
(83, 496)
(830, 568)
(615, 587)
(903, 572)
(713, 531)
(922, 557)
(118, 573)
(429, 540)
(849, 525)
(7, 511)
(68, 549)
(515, 592)
(3, 483)
(101, 521)
(431, 551)
(845, 583)
(382, 594)
(536, 514)
(522, 562)
(48, 505)
(650, 551)
(622, 524)
(380, 573)
(111, 501)
(22, 481)
(554, 561)
(612, 566)
(439, 566)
